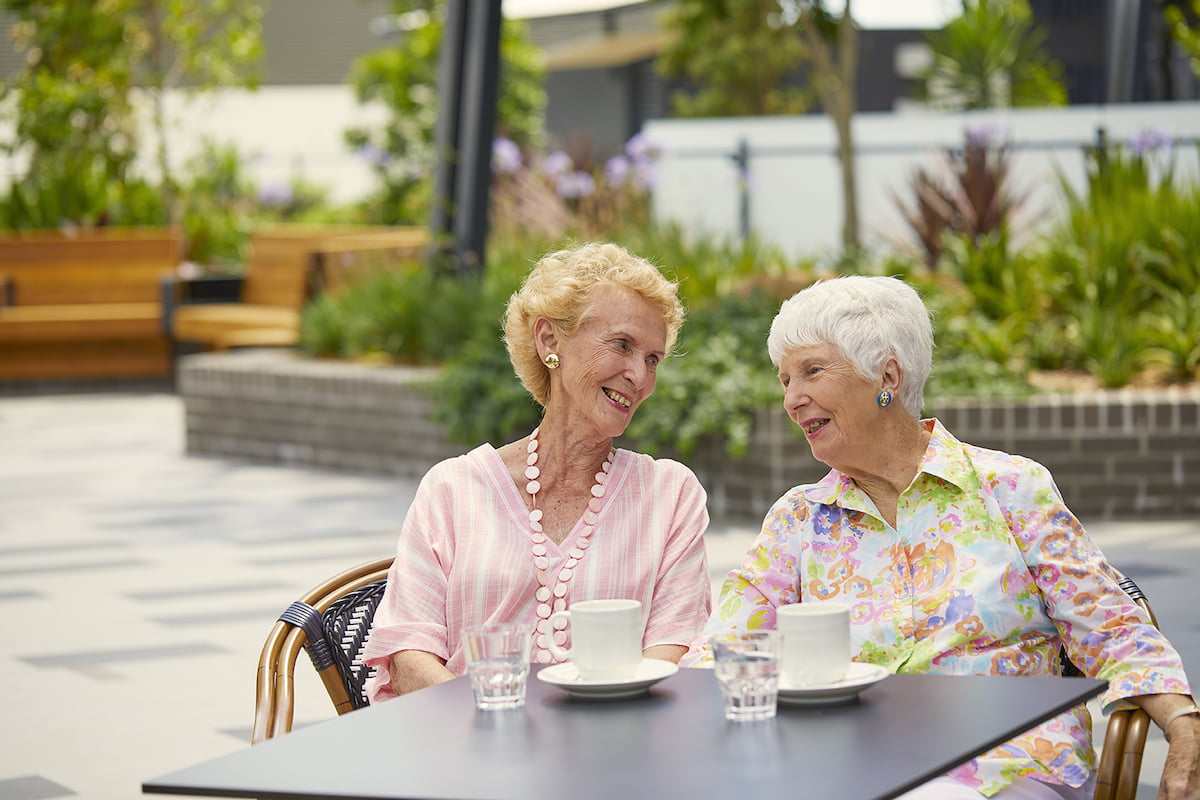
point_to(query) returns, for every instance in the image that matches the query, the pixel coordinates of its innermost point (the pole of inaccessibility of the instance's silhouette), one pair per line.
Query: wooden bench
(341, 261)
(85, 304)
(285, 268)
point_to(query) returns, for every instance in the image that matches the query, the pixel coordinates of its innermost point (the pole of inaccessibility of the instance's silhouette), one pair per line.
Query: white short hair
(870, 319)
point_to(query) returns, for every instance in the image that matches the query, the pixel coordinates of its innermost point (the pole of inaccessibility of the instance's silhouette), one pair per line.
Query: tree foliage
(738, 54)
(743, 57)
(403, 77)
(1183, 23)
(991, 56)
(76, 99)
(194, 45)
(74, 131)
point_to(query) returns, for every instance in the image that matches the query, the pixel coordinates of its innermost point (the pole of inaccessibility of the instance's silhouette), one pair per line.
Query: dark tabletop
(673, 743)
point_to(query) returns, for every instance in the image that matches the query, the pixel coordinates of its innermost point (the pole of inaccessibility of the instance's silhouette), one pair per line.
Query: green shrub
(1114, 289)
(408, 316)
(721, 375)
(215, 204)
(716, 384)
(1128, 255)
(719, 378)
(479, 398)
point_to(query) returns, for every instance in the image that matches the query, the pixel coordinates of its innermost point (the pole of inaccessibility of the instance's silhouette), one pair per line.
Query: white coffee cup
(606, 638)
(816, 642)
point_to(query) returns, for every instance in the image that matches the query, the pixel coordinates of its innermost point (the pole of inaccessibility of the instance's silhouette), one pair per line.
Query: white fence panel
(792, 184)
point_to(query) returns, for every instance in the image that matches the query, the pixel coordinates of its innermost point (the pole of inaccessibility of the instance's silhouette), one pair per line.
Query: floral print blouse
(986, 572)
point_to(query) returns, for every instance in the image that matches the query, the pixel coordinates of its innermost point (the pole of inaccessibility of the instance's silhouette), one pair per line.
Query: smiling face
(609, 366)
(833, 404)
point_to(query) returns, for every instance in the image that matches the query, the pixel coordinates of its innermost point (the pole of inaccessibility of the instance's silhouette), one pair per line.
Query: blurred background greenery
(1107, 296)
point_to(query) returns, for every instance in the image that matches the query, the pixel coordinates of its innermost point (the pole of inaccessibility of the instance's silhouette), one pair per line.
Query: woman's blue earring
(884, 399)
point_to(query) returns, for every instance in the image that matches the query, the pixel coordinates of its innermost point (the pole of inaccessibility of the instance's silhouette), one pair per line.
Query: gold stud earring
(884, 399)
(551, 361)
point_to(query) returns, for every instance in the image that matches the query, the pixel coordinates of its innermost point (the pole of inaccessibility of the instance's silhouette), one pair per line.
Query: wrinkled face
(831, 402)
(610, 365)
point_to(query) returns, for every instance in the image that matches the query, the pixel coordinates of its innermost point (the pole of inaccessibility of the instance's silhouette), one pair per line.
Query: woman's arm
(1181, 772)
(416, 669)
(681, 595)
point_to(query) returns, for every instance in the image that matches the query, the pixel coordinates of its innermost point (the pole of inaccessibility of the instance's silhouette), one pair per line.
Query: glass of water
(747, 667)
(497, 658)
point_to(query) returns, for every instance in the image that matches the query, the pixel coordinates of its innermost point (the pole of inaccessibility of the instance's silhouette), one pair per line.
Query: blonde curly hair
(560, 288)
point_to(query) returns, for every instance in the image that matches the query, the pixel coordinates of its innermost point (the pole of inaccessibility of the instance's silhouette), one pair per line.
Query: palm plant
(991, 57)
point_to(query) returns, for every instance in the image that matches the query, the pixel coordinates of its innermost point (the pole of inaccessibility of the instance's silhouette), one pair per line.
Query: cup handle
(559, 652)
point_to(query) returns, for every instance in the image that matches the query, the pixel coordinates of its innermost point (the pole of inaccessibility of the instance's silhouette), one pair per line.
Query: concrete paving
(139, 583)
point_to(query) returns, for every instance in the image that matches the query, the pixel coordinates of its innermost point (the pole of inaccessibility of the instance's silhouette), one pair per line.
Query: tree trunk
(156, 85)
(836, 85)
(844, 120)
(844, 124)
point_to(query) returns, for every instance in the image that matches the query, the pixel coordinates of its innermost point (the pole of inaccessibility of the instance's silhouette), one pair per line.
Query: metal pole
(741, 159)
(446, 132)
(481, 74)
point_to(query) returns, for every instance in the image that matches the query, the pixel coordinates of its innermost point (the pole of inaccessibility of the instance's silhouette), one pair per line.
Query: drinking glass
(747, 667)
(497, 658)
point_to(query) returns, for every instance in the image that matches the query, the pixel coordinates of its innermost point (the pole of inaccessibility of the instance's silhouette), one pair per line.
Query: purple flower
(275, 195)
(374, 155)
(641, 147)
(645, 175)
(1149, 140)
(575, 184)
(986, 135)
(557, 163)
(617, 170)
(506, 156)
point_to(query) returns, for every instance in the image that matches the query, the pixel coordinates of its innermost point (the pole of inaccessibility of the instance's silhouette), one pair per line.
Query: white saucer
(566, 676)
(858, 677)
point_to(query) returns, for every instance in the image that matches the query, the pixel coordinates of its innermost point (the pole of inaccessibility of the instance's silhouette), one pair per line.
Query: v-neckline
(514, 500)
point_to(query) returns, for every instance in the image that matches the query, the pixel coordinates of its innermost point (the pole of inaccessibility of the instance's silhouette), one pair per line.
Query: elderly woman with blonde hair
(954, 559)
(516, 533)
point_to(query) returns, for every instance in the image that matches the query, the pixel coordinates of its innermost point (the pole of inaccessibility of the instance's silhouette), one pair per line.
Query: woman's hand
(1181, 772)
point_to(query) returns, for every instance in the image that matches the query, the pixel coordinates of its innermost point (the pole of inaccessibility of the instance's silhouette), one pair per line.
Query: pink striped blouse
(464, 558)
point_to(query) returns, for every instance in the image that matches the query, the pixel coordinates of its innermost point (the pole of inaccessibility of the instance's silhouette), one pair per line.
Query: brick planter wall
(1115, 455)
(272, 407)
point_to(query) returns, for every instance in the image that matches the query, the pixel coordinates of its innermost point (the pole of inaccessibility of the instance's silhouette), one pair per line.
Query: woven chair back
(346, 624)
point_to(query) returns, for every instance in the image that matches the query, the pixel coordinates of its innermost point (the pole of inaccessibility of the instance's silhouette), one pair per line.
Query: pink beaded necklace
(551, 598)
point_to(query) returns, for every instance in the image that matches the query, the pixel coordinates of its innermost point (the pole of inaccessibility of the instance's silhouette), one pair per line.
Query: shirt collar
(944, 459)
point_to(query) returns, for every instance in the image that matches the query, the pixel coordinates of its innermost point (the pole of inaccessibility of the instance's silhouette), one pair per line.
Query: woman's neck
(571, 454)
(892, 465)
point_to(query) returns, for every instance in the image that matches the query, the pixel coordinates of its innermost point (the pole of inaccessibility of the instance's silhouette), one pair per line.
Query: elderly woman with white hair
(953, 559)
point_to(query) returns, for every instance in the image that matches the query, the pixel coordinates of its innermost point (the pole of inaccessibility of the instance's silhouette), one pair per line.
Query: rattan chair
(1125, 738)
(331, 623)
